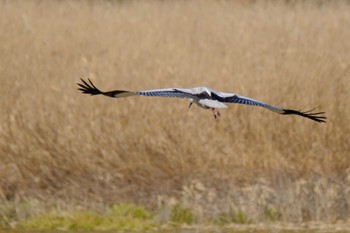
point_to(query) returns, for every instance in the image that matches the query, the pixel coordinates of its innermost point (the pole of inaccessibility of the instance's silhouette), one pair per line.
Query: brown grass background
(61, 149)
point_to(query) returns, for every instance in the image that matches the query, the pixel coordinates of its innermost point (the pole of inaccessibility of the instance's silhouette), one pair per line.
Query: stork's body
(204, 97)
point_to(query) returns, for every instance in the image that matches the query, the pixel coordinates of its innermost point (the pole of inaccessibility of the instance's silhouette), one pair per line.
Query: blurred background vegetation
(62, 151)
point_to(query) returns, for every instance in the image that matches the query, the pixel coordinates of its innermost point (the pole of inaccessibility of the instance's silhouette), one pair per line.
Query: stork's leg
(216, 113)
(213, 111)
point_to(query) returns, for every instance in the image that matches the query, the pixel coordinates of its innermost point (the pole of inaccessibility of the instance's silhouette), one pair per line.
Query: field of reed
(61, 150)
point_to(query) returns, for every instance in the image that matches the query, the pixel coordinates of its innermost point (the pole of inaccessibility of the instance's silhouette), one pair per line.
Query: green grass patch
(181, 215)
(273, 214)
(130, 210)
(118, 217)
(233, 217)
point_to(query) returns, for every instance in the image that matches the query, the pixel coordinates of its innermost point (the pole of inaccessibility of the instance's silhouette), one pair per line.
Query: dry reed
(59, 146)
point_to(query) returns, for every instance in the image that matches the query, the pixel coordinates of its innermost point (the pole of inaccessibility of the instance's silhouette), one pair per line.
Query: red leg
(215, 112)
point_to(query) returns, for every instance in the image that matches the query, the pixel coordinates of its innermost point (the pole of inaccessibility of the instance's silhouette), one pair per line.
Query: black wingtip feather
(87, 88)
(315, 116)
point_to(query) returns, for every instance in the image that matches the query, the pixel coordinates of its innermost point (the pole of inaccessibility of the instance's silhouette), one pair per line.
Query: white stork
(204, 97)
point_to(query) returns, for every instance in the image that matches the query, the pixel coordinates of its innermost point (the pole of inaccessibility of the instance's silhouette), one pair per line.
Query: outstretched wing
(168, 92)
(89, 88)
(233, 98)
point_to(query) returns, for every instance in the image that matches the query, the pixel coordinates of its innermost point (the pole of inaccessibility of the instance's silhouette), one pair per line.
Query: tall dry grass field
(61, 149)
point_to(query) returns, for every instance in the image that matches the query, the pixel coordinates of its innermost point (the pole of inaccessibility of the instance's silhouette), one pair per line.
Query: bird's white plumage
(211, 103)
(196, 90)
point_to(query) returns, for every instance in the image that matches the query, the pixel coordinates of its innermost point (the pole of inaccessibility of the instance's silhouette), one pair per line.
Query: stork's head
(191, 102)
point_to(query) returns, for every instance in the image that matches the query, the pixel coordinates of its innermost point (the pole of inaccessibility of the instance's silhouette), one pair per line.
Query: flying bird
(204, 97)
